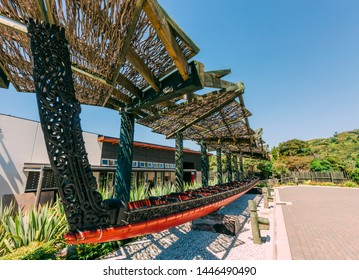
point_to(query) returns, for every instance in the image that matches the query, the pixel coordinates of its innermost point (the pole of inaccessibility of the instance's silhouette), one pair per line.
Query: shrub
(92, 251)
(45, 224)
(320, 165)
(355, 175)
(350, 184)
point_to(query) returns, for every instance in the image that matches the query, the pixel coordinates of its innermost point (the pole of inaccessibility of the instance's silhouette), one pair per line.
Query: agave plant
(139, 192)
(45, 224)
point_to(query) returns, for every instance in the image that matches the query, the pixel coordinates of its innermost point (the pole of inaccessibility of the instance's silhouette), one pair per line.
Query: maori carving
(149, 213)
(229, 167)
(60, 120)
(124, 157)
(219, 165)
(204, 164)
(179, 162)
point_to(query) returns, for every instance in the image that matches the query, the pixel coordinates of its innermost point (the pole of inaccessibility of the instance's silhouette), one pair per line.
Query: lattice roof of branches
(216, 118)
(117, 47)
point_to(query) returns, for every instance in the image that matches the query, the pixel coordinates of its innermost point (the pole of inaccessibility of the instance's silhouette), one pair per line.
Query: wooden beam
(210, 80)
(160, 24)
(180, 33)
(127, 84)
(14, 25)
(143, 69)
(126, 45)
(205, 115)
(42, 10)
(173, 86)
(219, 73)
(4, 81)
(235, 141)
(50, 16)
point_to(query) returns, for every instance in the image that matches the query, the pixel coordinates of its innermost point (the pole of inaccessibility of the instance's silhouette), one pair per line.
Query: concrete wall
(22, 141)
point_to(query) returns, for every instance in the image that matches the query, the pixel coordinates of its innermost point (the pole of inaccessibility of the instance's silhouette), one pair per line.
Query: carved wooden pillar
(59, 112)
(204, 164)
(229, 167)
(179, 162)
(219, 166)
(235, 167)
(124, 157)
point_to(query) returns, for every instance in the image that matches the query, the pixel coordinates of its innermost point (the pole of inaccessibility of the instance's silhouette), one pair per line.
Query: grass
(347, 184)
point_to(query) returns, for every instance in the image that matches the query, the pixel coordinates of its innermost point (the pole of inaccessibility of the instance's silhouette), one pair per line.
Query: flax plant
(48, 223)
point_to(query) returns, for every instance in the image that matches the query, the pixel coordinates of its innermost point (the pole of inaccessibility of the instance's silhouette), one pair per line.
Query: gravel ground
(183, 243)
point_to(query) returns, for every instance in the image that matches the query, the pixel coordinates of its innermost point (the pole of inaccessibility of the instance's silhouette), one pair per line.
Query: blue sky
(299, 61)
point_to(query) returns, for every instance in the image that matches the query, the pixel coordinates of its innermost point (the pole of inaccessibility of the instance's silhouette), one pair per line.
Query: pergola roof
(130, 55)
(117, 47)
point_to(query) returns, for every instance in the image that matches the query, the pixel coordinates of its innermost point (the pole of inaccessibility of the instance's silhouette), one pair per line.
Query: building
(25, 166)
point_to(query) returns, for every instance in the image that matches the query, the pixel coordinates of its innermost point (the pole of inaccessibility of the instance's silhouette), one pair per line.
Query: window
(167, 165)
(142, 164)
(161, 165)
(149, 164)
(135, 164)
(105, 162)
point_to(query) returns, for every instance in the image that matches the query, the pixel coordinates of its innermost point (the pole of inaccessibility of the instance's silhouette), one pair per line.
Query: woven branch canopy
(130, 55)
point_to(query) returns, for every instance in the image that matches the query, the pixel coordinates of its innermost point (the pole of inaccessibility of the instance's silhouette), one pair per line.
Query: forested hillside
(338, 153)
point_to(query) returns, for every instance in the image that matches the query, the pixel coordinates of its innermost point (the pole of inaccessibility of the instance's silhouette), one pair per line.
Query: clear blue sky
(298, 59)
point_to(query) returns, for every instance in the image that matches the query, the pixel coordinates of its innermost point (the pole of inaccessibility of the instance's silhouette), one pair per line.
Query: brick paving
(322, 223)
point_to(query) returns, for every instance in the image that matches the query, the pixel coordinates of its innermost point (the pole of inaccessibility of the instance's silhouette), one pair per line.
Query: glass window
(142, 164)
(135, 164)
(105, 162)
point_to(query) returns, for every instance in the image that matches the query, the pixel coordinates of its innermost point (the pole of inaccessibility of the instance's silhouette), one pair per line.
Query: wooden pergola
(126, 55)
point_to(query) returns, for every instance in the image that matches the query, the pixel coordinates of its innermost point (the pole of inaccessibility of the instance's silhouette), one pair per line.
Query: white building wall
(16, 146)
(22, 141)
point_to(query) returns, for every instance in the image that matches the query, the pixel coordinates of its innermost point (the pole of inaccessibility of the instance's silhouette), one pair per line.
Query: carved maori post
(59, 113)
(229, 167)
(241, 166)
(179, 162)
(124, 157)
(204, 164)
(236, 170)
(219, 166)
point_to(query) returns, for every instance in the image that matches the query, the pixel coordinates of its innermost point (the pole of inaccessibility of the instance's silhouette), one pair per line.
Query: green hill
(342, 146)
(339, 153)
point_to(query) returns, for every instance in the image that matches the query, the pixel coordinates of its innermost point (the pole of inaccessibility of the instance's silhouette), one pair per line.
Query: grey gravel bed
(183, 243)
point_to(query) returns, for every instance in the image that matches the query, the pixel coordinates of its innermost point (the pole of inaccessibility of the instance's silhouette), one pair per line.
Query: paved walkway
(322, 223)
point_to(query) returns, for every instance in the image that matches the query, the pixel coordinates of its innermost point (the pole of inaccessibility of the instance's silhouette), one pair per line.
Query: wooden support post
(229, 167)
(219, 166)
(179, 162)
(124, 157)
(265, 197)
(59, 112)
(235, 167)
(204, 164)
(241, 166)
(257, 239)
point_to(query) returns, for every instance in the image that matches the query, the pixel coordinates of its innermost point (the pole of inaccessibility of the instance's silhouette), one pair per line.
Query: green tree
(265, 167)
(279, 168)
(294, 147)
(320, 165)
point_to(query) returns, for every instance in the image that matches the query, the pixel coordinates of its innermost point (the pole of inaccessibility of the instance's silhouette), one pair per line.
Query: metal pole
(179, 162)
(204, 164)
(124, 157)
(39, 188)
(219, 166)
